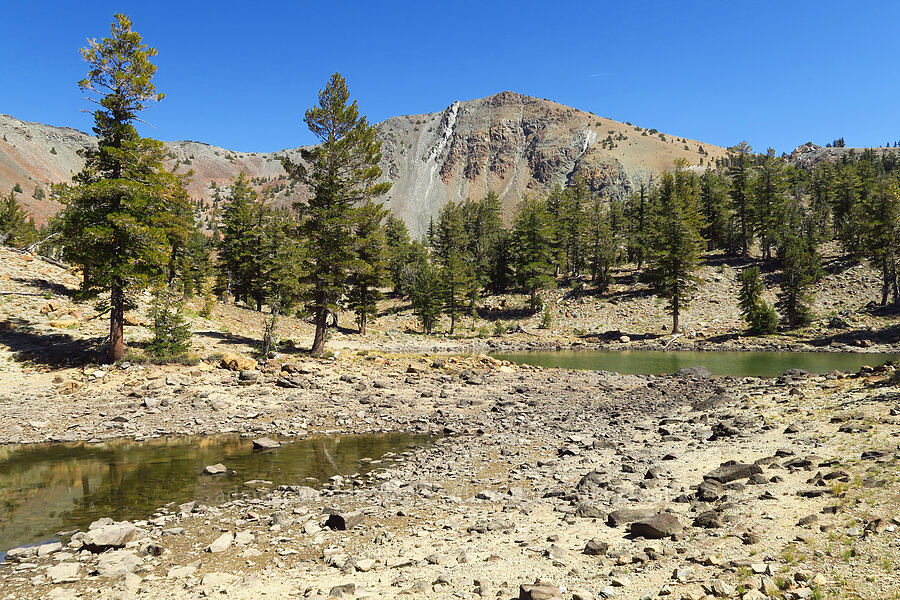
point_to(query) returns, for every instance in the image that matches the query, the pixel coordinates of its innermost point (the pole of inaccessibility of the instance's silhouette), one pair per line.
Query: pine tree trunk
(116, 323)
(362, 311)
(675, 311)
(533, 299)
(318, 347)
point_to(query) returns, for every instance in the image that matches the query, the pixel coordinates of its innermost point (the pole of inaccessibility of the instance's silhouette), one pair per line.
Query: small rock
(221, 543)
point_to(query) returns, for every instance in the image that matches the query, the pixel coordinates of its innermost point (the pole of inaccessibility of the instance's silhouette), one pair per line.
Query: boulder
(596, 547)
(235, 362)
(221, 543)
(657, 527)
(699, 372)
(265, 443)
(215, 469)
(63, 572)
(539, 591)
(595, 481)
(732, 471)
(109, 536)
(624, 516)
(342, 521)
(117, 563)
(217, 579)
(710, 490)
(708, 520)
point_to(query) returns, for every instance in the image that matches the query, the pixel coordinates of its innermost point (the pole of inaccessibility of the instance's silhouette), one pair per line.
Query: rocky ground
(542, 483)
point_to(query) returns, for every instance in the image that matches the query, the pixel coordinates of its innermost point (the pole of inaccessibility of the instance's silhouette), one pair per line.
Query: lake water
(47, 488)
(737, 364)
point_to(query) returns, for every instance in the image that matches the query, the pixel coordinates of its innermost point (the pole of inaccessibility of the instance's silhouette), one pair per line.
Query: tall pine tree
(341, 172)
(532, 248)
(123, 205)
(674, 241)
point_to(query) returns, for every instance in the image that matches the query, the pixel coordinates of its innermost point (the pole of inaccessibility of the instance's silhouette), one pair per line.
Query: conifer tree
(881, 227)
(426, 294)
(123, 206)
(799, 263)
(767, 196)
(846, 209)
(281, 259)
(603, 245)
(483, 224)
(194, 261)
(399, 248)
(821, 188)
(241, 245)
(369, 268)
(341, 172)
(501, 263)
(556, 220)
(674, 241)
(576, 202)
(739, 169)
(532, 248)
(451, 253)
(636, 211)
(16, 229)
(759, 314)
(171, 331)
(716, 209)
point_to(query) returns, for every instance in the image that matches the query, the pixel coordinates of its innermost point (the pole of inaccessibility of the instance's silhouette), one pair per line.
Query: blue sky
(241, 74)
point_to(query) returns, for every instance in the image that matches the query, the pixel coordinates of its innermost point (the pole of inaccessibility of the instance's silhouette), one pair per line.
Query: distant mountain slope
(508, 143)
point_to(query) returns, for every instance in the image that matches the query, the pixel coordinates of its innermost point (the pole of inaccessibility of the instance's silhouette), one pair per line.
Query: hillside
(507, 143)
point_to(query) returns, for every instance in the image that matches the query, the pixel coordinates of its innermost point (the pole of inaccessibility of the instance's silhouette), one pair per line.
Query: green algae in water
(48, 488)
(735, 364)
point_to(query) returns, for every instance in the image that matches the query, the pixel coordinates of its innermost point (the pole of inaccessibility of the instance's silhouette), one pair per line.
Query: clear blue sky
(241, 74)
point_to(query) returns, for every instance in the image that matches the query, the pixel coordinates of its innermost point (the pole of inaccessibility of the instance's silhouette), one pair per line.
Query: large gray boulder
(732, 471)
(657, 527)
(109, 536)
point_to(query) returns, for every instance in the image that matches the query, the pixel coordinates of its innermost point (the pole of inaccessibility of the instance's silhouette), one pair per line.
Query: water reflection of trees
(46, 488)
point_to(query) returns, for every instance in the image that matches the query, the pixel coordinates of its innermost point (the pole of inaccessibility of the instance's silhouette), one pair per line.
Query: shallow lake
(736, 364)
(47, 488)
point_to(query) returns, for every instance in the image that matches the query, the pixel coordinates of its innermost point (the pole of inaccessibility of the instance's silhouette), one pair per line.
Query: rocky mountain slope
(507, 143)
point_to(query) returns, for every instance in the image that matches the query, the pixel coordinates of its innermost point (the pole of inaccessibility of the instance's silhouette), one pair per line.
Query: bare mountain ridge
(510, 144)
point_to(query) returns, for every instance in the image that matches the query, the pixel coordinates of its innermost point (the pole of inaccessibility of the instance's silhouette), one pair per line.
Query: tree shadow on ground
(614, 335)
(229, 338)
(885, 335)
(724, 337)
(42, 285)
(838, 264)
(50, 349)
(505, 313)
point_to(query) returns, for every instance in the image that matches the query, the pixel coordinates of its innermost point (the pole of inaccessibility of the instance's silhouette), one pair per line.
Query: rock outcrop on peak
(508, 143)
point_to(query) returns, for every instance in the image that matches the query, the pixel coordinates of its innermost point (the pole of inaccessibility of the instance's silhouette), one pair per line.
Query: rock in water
(215, 469)
(265, 443)
(660, 526)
